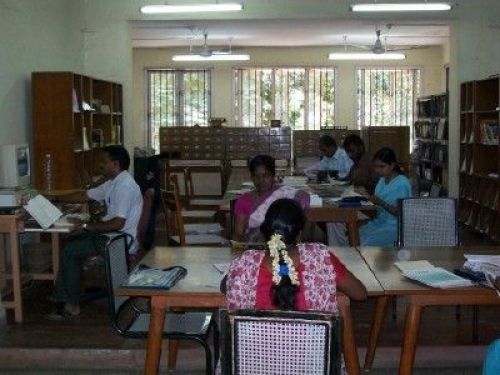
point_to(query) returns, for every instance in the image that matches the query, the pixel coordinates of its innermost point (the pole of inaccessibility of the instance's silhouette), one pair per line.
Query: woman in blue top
(392, 186)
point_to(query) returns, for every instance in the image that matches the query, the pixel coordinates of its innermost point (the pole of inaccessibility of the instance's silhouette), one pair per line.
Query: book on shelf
(471, 138)
(471, 168)
(463, 168)
(489, 132)
(441, 129)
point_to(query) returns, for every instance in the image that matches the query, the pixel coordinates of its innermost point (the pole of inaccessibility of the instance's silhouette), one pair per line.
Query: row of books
(489, 133)
(436, 153)
(433, 106)
(480, 219)
(437, 129)
(481, 190)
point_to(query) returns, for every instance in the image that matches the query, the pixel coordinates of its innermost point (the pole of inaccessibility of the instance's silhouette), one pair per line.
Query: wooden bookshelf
(430, 133)
(479, 185)
(74, 117)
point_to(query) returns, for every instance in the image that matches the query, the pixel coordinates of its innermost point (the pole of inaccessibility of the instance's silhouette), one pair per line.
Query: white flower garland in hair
(276, 248)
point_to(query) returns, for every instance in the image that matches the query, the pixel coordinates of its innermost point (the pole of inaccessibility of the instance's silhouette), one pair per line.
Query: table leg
(350, 350)
(376, 328)
(156, 322)
(412, 327)
(173, 346)
(55, 254)
(353, 233)
(16, 277)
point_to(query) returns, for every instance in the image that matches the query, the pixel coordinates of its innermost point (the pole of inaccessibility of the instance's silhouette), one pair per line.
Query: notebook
(413, 265)
(44, 212)
(437, 277)
(144, 276)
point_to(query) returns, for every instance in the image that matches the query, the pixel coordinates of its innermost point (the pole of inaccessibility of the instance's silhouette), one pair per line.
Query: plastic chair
(280, 342)
(427, 222)
(130, 321)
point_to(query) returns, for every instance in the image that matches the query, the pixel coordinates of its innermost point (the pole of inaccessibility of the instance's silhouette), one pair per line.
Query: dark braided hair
(284, 217)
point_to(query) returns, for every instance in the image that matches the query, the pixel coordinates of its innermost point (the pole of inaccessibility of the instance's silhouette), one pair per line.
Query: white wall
(430, 60)
(34, 36)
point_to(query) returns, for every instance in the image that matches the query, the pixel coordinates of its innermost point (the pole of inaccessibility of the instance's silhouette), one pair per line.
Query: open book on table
(435, 277)
(43, 211)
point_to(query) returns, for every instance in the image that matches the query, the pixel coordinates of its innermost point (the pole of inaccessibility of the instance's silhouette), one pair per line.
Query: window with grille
(302, 98)
(177, 98)
(386, 96)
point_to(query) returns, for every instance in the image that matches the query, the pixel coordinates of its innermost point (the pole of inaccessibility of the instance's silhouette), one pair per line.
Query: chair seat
(206, 202)
(208, 228)
(198, 213)
(202, 239)
(183, 323)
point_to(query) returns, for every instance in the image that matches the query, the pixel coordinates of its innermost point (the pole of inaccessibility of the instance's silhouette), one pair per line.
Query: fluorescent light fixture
(191, 8)
(366, 56)
(400, 7)
(230, 57)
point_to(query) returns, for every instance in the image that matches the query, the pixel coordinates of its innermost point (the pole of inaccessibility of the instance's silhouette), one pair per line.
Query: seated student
(361, 176)
(288, 275)
(361, 173)
(123, 201)
(333, 158)
(251, 207)
(392, 186)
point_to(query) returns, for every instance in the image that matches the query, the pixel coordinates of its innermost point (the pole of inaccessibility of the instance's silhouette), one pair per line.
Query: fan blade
(406, 48)
(366, 48)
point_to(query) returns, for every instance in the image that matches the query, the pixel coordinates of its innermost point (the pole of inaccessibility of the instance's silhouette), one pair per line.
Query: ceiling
(286, 32)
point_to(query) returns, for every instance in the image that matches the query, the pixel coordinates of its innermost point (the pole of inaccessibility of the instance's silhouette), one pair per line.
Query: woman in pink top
(288, 275)
(251, 207)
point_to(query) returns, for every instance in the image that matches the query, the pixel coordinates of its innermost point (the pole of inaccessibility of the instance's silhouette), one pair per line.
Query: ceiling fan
(206, 51)
(379, 48)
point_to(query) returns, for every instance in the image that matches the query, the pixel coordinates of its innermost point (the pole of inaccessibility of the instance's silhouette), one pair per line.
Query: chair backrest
(206, 181)
(117, 270)
(280, 342)
(172, 210)
(427, 222)
(146, 224)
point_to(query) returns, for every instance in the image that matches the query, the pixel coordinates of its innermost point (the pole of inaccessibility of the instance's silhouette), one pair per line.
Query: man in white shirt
(123, 200)
(333, 158)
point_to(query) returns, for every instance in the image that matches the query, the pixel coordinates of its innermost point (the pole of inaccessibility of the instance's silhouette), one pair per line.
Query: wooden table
(381, 262)
(200, 288)
(326, 213)
(13, 225)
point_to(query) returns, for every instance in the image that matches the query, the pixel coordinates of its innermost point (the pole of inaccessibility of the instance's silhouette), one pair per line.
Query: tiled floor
(88, 344)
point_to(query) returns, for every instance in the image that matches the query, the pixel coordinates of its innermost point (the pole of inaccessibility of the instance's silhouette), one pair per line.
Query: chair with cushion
(187, 234)
(131, 321)
(280, 342)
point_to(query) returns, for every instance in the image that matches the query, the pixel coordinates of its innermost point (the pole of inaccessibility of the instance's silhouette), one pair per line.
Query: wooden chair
(187, 234)
(196, 199)
(131, 321)
(280, 342)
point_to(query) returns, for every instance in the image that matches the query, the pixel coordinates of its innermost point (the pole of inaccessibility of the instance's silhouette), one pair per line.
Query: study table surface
(200, 288)
(381, 262)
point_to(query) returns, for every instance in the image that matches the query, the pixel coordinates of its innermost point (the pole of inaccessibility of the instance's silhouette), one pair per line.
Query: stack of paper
(489, 265)
(435, 277)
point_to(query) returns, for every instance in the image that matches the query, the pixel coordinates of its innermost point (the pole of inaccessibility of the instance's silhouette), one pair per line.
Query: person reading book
(334, 160)
(123, 200)
(392, 186)
(252, 206)
(288, 275)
